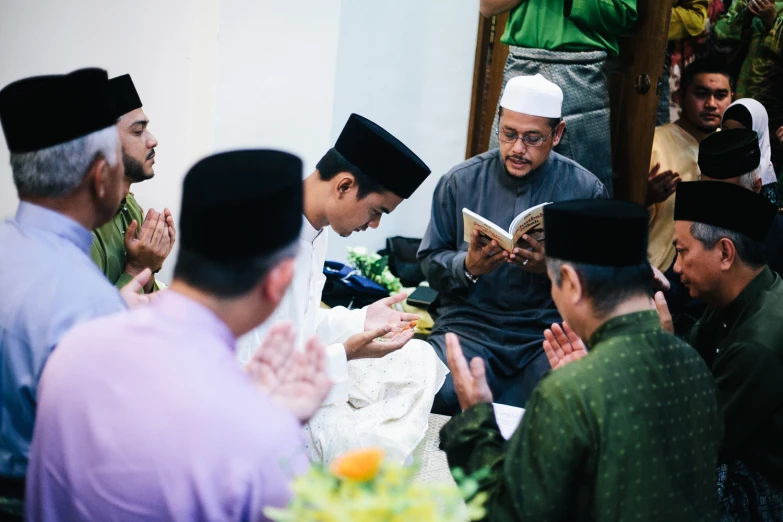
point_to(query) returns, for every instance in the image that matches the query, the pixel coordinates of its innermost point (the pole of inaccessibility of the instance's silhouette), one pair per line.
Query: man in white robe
(386, 398)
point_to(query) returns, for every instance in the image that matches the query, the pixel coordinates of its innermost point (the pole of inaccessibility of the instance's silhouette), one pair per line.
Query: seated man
(706, 93)
(129, 243)
(631, 431)
(146, 415)
(65, 158)
(498, 302)
(386, 402)
(719, 233)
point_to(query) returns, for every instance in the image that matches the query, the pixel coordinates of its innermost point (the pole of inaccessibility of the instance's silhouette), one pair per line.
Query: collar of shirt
(59, 224)
(634, 323)
(122, 206)
(518, 185)
(192, 316)
(730, 315)
(308, 232)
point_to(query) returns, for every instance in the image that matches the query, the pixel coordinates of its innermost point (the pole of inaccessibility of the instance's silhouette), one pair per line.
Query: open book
(530, 222)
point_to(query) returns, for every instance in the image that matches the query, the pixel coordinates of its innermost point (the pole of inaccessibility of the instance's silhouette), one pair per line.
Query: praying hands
(470, 382)
(562, 346)
(296, 381)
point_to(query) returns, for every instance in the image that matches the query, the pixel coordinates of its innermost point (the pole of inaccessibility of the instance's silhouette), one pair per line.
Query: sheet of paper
(508, 418)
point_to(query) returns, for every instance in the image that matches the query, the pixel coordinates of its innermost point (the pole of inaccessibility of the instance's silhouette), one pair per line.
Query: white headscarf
(761, 125)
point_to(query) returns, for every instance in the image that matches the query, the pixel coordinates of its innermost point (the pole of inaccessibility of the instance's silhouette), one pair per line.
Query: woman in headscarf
(750, 114)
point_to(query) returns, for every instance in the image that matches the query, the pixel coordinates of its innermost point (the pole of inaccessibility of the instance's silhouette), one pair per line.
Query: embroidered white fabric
(388, 406)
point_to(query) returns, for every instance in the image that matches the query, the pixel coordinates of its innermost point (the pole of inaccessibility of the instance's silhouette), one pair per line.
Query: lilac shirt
(147, 416)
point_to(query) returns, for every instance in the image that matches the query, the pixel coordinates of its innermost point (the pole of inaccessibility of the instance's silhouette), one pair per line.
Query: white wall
(221, 74)
(276, 76)
(169, 48)
(408, 66)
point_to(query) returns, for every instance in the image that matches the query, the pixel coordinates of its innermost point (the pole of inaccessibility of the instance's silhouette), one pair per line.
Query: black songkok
(43, 111)
(227, 194)
(597, 232)
(381, 156)
(729, 154)
(124, 95)
(724, 205)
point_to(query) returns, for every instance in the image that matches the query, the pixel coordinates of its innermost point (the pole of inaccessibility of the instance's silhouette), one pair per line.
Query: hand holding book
(484, 255)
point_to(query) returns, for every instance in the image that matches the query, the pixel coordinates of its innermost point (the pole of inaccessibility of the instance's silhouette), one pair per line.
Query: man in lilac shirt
(65, 157)
(146, 415)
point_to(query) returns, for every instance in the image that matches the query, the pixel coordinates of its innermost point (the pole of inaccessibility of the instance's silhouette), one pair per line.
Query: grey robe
(501, 317)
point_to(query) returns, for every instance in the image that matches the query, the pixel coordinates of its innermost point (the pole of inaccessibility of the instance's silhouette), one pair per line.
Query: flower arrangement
(360, 486)
(374, 267)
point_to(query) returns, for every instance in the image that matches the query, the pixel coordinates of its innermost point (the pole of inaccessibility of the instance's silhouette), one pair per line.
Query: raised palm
(563, 346)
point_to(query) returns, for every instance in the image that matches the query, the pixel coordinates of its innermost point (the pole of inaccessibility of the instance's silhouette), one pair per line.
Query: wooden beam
(490, 61)
(634, 92)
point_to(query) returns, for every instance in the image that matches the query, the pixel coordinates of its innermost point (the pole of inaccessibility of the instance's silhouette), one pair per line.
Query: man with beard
(706, 93)
(498, 302)
(119, 251)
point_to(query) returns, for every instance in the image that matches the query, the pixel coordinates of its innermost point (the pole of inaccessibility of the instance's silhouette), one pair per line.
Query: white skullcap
(533, 95)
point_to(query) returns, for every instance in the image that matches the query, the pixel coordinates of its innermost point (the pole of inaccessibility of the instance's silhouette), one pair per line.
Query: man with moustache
(119, 251)
(498, 302)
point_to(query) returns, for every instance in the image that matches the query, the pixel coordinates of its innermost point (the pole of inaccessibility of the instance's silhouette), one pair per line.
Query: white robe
(373, 402)
(302, 306)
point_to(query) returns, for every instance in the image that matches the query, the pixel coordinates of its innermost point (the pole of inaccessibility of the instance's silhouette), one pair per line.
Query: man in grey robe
(499, 302)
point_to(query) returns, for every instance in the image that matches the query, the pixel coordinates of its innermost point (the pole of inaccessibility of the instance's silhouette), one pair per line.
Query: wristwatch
(473, 279)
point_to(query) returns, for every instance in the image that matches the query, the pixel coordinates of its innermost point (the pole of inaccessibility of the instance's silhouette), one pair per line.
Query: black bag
(347, 287)
(402, 259)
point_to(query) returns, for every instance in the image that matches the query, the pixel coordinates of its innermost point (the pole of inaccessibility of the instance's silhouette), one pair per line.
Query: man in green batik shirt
(719, 236)
(129, 243)
(628, 431)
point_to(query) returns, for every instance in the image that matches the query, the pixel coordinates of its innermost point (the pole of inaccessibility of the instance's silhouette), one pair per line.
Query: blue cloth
(48, 283)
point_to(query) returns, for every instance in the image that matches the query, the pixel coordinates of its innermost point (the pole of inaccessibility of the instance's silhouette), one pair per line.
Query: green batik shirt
(743, 346)
(629, 432)
(592, 25)
(108, 244)
(761, 75)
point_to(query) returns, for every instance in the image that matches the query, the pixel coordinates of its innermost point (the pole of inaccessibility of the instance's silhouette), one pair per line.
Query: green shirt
(743, 346)
(592, 25)
(108, 245)
(761, 75)
(630, 432)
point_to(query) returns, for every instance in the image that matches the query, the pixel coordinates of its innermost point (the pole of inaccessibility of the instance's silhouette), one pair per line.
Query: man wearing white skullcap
(498, 302)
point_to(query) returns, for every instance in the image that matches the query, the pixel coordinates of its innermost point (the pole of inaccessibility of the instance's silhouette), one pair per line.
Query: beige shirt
(678, 151)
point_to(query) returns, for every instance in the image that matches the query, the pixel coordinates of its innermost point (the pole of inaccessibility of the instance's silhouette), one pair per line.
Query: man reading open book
(496, 301)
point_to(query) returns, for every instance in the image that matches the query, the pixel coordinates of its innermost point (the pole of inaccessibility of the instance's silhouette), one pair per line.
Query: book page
(472, 221)
(530, 222)
(508, 418)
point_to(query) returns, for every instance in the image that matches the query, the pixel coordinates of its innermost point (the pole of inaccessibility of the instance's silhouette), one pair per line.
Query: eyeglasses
(530, 141)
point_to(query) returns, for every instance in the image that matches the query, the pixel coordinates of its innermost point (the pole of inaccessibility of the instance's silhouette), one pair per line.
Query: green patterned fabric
(630, 432)
(743, 346)
(108, 245)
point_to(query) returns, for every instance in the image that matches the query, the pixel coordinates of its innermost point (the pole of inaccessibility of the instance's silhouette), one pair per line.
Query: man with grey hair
(65, 157)
(734, 156)
(719, 236)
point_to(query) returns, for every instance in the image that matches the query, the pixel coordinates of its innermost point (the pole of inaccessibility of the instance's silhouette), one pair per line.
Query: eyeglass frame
(524, 138)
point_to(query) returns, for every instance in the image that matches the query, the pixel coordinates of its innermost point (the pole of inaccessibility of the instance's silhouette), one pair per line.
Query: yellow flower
(358, 465)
